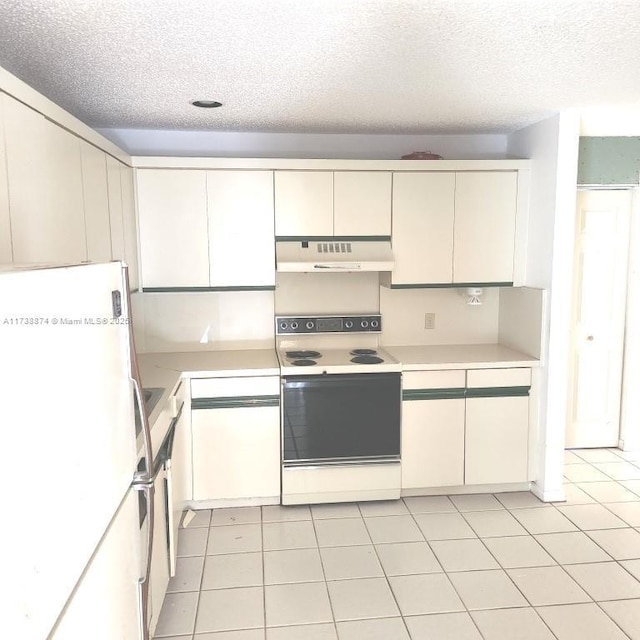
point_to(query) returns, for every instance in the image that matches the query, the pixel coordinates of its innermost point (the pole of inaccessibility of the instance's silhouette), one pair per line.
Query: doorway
(599, 309)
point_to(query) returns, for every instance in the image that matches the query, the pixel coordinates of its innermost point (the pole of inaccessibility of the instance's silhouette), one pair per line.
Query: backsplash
(222, 320)
(403, 312)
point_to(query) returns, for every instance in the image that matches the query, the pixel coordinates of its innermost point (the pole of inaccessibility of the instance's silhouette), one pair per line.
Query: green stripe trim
(433, 394)
(333, 238)
(452, 285)
(235, 402)
(205, 289)
(498, 392)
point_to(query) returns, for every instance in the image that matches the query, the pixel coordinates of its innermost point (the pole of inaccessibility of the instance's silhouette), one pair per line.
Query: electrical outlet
(429, 320)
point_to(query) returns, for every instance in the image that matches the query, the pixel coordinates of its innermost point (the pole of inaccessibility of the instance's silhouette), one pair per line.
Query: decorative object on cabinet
(422, 155)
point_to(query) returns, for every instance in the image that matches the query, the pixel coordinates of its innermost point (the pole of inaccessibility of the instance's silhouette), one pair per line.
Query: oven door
(340, 417)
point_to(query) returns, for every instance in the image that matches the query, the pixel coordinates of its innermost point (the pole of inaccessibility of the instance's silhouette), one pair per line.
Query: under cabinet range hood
(333, 255)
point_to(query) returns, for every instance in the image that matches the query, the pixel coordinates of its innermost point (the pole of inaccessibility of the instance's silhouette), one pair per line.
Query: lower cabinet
(235, 427)
(159, 575)
(465, 428)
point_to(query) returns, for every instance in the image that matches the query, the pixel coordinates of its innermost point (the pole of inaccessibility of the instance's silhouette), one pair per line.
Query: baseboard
(222, 503)
(548, 496)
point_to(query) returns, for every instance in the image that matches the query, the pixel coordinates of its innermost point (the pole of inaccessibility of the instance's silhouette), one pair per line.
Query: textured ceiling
(367, 66)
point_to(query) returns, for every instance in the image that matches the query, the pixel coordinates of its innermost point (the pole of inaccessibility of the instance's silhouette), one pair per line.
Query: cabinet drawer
(229, 387)
(454, 379)
(484, 378)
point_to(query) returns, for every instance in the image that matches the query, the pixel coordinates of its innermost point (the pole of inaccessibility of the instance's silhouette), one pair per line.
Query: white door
(602, 239)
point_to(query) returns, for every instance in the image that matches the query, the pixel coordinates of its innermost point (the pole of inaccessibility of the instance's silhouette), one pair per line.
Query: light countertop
(459, 356)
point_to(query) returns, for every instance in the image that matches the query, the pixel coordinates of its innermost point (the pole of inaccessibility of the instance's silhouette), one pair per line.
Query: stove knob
(364, 324)
(374, 324)
(309, 325)
(349, 324)
(284, 326)
(294, 325)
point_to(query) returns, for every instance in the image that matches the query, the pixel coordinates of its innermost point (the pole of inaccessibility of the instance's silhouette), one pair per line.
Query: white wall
(150, 142)
(552, 146)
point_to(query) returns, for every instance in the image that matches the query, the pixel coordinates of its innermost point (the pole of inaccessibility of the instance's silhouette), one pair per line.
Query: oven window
(341, 416)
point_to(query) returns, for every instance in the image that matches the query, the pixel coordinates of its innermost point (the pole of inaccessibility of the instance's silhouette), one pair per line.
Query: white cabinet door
(304, 203)
(45, 188)
(130, 230)
(159, 575)
(362, 203)
(96, 203)
(105, 603)
(422, 228)
(172, 210)
(6, 251)
(497, 436)
(432, 443)
(241, 228)
(485, 223)
(114, 189)
(236, 453)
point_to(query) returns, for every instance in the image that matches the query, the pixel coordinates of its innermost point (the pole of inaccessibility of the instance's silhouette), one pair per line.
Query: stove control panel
(286, 325)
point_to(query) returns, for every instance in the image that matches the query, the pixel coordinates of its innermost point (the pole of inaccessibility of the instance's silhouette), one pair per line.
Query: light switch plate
(429, 320)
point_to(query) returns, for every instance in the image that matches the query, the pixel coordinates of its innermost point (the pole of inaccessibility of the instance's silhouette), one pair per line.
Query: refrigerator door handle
(143, 583)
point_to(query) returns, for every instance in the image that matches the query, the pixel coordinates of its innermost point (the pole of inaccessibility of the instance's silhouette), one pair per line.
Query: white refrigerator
(76, 492)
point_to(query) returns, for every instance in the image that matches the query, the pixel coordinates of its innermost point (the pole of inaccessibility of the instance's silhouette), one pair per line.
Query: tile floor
(492, 567)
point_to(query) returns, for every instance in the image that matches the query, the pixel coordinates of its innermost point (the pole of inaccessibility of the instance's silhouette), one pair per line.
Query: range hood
(333, 255)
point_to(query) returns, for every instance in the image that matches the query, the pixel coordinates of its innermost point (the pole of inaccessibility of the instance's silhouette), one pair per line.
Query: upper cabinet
(6, 252)
(129, 224)
(206, 229)
(328, 203)
(454, 227)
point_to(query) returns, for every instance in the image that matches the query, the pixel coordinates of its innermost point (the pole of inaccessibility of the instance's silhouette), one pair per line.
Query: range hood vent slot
(334, 247)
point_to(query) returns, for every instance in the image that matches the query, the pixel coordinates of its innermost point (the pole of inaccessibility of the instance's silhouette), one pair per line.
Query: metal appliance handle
(143, 583)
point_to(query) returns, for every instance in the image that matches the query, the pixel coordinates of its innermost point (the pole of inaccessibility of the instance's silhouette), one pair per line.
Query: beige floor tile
(393, 529)
(380, 629)
(520, 500)
(341, 532)
(406, 558)
(288, 535)
(608, 492)
(487, 590)
(584, 473)
(519, 551)
(341, 510)
(627, 511)
(325, 631)
(605, 580)
(244, 634)
(571, 458)
(575, 495)
(442, 626)
(444, 526)
(547, 585)
(292, 565)
(297, 604)
(512, 624)
(430, 504)
(383, 508)
(232, 570)
(580, 622)
(277, 513)
(236, 515)
(192, 542)
(188, 575)
(597, 455)
(341, 563)
(425, 593)
(632, 485)
(239, 538)
(463, 555)
(202, 518)
(626, 614)
(544, 520)
(493, 524)
(591, 516)
(573, 547)
(619, 470)
(632, 566)
(228, 609)
(477, 502)
(178, 614)
(630, 456)
(362, 598)
(620, 544)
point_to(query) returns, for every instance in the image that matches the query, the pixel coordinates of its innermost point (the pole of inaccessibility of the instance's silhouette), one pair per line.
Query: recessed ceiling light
(206, 104)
